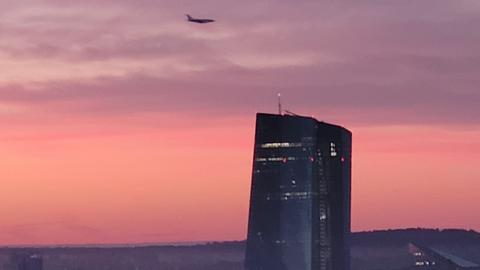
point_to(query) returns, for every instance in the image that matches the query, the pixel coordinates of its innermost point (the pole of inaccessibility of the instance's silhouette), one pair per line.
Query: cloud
(371, 62)
(242, 92)
(125, 90)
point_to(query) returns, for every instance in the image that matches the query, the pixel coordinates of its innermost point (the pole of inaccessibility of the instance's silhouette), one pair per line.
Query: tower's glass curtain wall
(300, 199)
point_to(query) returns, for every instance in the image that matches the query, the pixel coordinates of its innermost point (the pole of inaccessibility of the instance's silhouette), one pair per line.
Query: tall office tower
(300, 198)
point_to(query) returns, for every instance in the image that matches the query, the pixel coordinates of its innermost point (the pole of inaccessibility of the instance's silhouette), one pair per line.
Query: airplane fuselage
(194, 20)
(201, 21)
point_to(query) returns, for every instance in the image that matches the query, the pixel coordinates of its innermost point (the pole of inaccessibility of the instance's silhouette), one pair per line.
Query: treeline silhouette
(417, 235)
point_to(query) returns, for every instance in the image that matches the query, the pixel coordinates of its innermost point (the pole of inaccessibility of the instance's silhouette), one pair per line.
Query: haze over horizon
(121, 122)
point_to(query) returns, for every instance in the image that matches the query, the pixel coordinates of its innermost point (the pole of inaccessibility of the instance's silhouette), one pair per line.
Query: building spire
(279, 103)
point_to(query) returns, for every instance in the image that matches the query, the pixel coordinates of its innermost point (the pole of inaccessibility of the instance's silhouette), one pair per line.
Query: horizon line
(192, 243)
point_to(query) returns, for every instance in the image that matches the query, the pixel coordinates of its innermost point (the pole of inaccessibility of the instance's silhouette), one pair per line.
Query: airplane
(194, 20)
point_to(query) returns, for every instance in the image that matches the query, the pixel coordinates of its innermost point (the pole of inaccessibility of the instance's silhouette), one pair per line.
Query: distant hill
(375, 237)
(401, 237)
(419, 235)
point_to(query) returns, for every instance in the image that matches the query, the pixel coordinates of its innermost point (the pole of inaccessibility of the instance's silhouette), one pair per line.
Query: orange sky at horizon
(192, 184)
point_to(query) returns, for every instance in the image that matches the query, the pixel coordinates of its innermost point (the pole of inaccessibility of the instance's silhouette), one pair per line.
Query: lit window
(276, 159)
(333, 151)
(280, 145)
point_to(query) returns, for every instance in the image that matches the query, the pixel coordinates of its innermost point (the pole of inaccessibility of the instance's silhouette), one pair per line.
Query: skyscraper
(299, 215)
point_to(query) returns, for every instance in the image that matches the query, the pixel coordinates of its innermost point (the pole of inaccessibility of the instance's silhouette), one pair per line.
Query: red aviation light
(342, 159)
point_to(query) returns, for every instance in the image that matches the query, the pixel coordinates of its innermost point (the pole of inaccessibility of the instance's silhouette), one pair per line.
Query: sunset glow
(122, 123)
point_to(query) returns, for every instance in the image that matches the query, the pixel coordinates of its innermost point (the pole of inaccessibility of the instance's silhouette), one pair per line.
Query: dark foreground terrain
(370, 250)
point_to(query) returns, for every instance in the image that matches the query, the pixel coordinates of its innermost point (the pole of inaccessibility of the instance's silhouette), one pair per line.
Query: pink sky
(123, 123)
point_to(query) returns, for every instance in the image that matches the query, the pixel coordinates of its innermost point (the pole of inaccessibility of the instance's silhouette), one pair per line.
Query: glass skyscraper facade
(299, 216)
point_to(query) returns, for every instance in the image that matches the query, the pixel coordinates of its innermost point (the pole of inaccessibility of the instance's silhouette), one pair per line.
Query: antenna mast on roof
(280, 110)
(279, 103)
